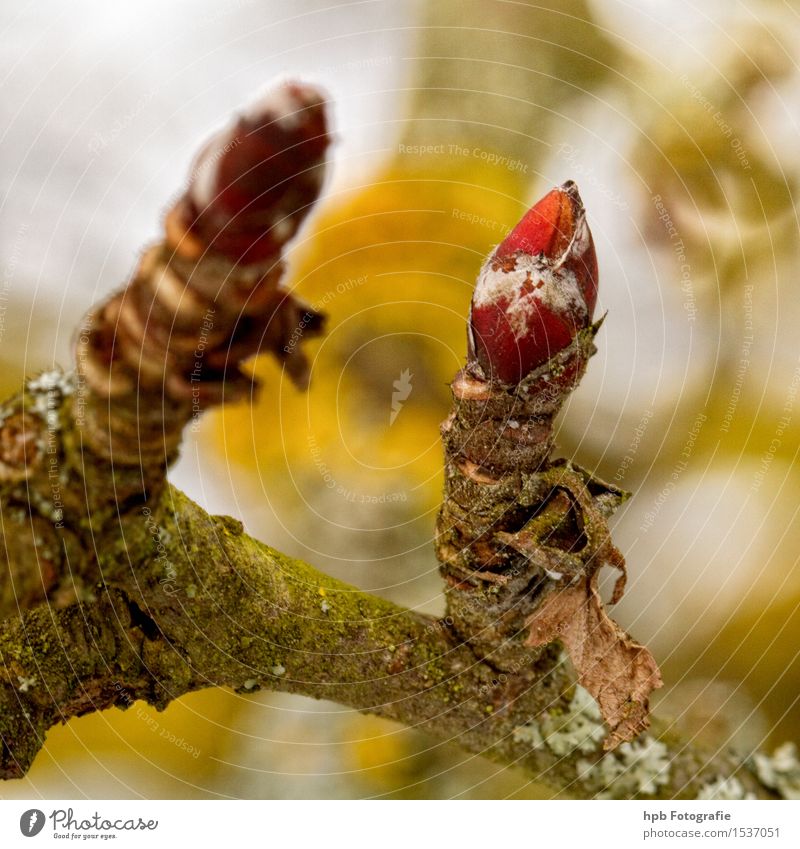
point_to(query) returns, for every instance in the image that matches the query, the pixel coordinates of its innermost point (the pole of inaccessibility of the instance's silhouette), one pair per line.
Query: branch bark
(185, 600)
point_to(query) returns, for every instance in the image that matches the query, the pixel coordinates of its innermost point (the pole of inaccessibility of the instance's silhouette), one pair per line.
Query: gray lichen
(729, 788)
(638, 768)
(781, 771)
(578, 729)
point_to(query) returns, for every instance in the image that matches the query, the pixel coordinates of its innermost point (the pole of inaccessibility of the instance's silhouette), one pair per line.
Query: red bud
(536, 290)
(254, 182)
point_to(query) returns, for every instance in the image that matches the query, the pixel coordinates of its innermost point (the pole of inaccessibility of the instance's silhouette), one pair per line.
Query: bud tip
(536, 291)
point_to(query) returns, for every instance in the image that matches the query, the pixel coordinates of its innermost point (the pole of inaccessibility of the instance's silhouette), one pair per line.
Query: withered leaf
(618, 672)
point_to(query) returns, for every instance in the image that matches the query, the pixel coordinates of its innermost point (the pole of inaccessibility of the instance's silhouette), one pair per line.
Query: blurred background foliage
(678, 121)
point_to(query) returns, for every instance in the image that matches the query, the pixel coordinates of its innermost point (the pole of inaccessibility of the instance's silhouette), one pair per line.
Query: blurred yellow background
(678, 121)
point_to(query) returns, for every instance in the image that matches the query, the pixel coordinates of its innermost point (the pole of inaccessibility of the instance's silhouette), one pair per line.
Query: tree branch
(187, 601)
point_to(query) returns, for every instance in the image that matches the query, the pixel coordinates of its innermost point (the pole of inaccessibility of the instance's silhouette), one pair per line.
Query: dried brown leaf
(617, 671)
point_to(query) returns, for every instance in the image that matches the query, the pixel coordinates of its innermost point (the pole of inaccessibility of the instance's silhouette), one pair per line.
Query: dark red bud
(255, 181)
(537, 289)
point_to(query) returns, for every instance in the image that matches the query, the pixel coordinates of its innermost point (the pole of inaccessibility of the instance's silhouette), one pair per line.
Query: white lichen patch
(26, 684)
(781, 771)
(632, 769)
(521, 293)
(278, 670)
(46, 392)
(51, 381)
(578, 729)
(530, 734)
(250, 684)
(324, 607)
(724, 788)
